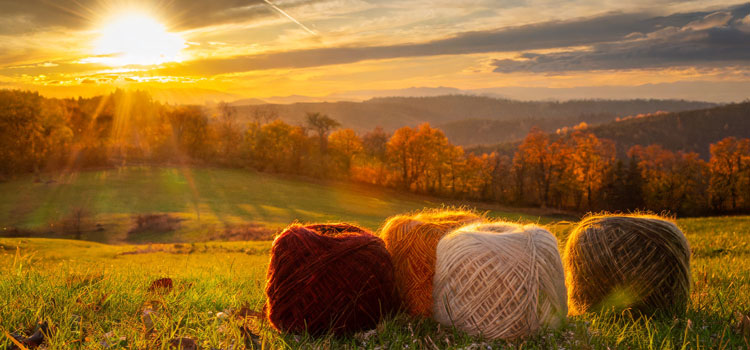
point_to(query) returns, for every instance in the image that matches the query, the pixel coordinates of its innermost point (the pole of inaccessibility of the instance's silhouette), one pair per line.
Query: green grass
(92, 293)
(207, 199)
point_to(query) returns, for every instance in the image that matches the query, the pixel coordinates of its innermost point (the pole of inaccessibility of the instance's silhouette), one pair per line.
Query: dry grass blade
(15, 341)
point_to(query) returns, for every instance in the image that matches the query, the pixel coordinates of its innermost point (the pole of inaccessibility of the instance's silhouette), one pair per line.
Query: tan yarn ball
(640, 262)
(411, 240)
(500, 280)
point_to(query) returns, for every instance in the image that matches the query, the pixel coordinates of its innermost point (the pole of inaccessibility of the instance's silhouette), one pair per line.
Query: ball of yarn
(500, 280)
(639, 262)
(335, 278)
(411, 240)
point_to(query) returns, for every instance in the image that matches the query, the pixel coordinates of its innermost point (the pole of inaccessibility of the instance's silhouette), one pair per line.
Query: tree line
(572, 170)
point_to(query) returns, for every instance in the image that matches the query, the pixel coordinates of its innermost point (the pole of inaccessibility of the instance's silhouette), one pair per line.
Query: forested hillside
(575, 168)
(689, 131)
(476, 132)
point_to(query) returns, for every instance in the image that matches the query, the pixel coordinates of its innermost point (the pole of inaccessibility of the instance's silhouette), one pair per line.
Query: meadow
(205, 201)
(97, 293)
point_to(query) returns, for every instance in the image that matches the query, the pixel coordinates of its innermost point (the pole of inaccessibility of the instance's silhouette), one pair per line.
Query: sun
(137, 39)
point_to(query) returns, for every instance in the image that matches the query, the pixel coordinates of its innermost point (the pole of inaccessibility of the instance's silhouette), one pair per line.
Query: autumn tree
(228, 135)
(413, 153)
(728, 164)
(478, 171)
(454, 159)
(543, 161)
(91, 122)
(591, 158)
(622, 189)
(322, 125)
(520, 171)
(31, 127)
(344, 146)
(278, 146)
(434, 176)
(135, 119)
(374, 143)
(264, 114)
(190, 130)
(673, 181)
(502, 178)
(399, 153)
(373, 168)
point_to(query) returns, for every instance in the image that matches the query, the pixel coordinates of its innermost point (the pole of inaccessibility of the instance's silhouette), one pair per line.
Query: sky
(193, 51)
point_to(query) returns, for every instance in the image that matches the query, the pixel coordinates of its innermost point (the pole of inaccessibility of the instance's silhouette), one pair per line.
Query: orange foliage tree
(543, 162)
(673, 181)
(279, 147)
(373, 163)
(590, 160)
(416, 154)
(344, 145)
(730, 173)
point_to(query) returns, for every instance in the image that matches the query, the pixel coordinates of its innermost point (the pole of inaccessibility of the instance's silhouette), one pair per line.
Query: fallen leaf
(32, 342)
(17, 341)
(183, 344)
(162, 285)
(245, 312)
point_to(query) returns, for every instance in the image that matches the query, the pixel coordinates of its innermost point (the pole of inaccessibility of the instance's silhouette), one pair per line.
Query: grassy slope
(206, 198)
(64, 281)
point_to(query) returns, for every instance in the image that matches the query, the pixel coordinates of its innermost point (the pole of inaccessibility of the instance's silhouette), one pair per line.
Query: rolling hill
(169, 204)
(476, 132)
(690, 131)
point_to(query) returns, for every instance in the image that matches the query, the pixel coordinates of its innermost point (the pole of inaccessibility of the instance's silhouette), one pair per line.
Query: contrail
(268, 2)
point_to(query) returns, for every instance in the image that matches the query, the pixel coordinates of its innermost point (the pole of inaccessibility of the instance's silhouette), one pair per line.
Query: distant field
(94, 295)
(207, 200)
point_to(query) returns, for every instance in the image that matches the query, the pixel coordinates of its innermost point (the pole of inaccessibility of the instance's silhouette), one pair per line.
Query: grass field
(96, 295)
(206, 200)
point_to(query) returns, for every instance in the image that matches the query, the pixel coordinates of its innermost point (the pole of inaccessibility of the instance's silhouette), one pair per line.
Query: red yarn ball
(324, 278)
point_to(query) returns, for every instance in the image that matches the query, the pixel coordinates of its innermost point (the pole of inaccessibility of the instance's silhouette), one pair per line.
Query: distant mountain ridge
(701, 90)
(469, 119)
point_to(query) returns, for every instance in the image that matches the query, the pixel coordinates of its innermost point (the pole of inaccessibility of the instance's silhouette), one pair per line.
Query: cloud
(744, 24)
(614, 40)
(33, 15)
(718, 38)
(547, 35)
(716, 19)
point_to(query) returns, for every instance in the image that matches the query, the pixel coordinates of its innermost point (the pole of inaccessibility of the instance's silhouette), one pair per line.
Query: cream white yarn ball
(500, 280)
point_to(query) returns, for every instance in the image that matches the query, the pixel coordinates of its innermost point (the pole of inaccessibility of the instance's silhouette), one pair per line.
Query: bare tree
(77, 221)
(263, 115)
(321, 124)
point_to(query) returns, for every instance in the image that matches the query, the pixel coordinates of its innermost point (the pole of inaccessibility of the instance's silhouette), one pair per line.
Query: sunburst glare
(137, 39)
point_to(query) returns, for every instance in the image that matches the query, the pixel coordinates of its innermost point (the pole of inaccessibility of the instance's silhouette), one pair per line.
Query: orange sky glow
(195, 51)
